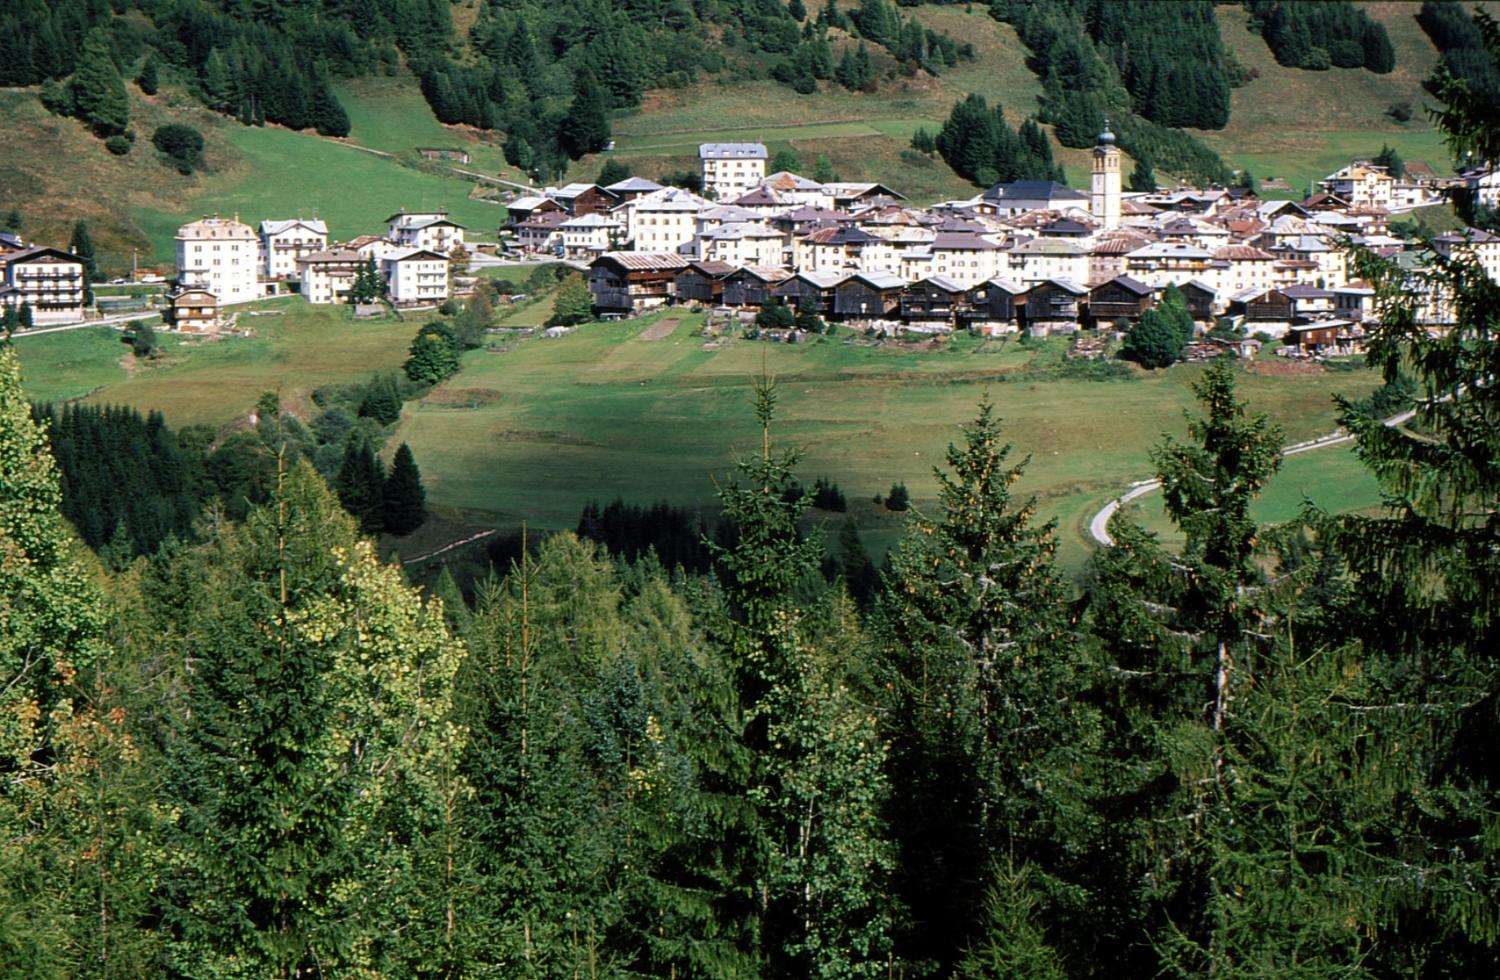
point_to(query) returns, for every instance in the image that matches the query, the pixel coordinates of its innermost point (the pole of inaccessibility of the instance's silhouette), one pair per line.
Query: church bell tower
(1104, 202)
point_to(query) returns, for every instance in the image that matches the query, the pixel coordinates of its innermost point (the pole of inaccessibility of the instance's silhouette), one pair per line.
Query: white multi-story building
(662, 220)
(328, 276)
(1362, 184)
(49, 281)
(429, 230)
(591, 234)
(220, 255)
(283, 242)
(415, 276)
(1471, 243)
(731, 169)
(744, 243)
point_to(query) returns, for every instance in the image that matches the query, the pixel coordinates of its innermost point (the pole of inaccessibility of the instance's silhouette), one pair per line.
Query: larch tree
(309, 768)
(70, 861)
(817, 865)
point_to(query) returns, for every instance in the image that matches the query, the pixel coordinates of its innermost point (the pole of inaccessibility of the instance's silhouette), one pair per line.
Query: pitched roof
(1128, 284)
(1045, 191)
(644, 261)
(633, 185)
(273, 227)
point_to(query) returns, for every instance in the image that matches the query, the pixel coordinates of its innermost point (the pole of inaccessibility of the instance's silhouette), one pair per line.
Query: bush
(182, 145)
(118, 145)
(142, 340)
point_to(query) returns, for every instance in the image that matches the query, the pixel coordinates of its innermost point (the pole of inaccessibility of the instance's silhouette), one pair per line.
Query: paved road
(1099, 526)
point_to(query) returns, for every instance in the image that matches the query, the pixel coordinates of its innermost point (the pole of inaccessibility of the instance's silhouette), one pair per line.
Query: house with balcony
(416, 277)
(47, 280)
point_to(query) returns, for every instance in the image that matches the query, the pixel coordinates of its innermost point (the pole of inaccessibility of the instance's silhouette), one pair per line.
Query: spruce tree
(405, 501)
(147, 79)
(360, 484)
(585, 129)
(98, 91)
(82, 245)
(309, 764)
(980, 690)
(817, 864)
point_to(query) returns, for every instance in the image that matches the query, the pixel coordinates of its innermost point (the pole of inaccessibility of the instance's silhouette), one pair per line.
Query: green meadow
(536, 431)
(215, 380)
(532, 429)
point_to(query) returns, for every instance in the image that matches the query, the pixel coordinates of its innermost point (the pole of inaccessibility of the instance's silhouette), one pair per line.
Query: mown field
(295, 348)
(1332, 479)
(533, 430)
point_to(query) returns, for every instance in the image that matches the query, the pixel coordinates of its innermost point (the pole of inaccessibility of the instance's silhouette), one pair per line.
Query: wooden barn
(751, 286)
(813, 289)
(994, 306)
(702, 282)
(933, 301)
(868, 296)
(1053, 306)
(1122, 298)
(627, 282)
(1263, 306)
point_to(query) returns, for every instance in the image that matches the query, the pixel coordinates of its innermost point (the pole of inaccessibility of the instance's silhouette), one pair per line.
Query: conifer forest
(236, 742)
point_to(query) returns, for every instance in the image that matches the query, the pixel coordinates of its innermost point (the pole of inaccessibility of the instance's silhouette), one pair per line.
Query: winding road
(1099, 526)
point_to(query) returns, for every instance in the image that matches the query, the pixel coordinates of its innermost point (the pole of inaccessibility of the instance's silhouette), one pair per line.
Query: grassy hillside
(1301, 125)
(535, 431)
(55, 172)
(295, 348)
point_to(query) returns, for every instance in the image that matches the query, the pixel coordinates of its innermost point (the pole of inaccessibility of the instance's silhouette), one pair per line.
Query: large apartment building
(221, 255)
(429, 230)
(731, 169)
(282, 243)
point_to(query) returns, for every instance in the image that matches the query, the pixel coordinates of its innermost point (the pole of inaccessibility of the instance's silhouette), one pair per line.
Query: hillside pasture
(534, 433)
(217, 380)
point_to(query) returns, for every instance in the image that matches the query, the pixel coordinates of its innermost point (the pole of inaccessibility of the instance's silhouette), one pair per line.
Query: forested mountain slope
(546, 84)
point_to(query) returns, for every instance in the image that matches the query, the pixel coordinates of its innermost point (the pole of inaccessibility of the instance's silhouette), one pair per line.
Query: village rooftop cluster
(1029, 255)
(1032, 256)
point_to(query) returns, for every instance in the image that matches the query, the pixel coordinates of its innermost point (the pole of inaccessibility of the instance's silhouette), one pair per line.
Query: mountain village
(1033, 256)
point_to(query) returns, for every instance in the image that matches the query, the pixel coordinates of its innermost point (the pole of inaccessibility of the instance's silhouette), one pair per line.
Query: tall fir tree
(98, 91)
(405, 500)
(585, 128)
(980, 699)
(311, 757)
(360, 484)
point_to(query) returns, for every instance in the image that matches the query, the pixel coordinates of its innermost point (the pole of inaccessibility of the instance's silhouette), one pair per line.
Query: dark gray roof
(1046, 192)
